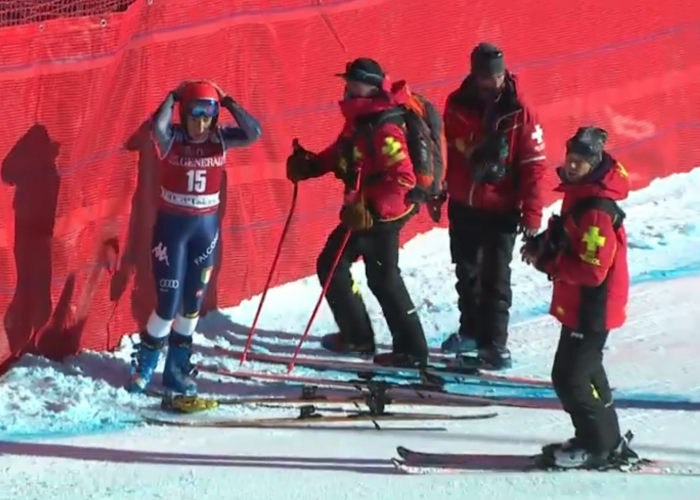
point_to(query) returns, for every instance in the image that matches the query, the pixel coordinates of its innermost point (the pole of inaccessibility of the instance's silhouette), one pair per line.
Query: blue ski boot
(178, 379)
(144, 362)
(177, 374)
(459, 344)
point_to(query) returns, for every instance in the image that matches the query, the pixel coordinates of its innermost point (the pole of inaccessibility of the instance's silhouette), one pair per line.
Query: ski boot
(144, 362)
(400, 360)
(550, 448)
(459, 344)
(333, 342)
(579, 458)
(569, 455)
(487, 358)
(178, 380)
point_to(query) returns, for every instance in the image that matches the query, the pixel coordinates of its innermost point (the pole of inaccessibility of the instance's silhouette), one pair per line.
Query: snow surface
(68, 431)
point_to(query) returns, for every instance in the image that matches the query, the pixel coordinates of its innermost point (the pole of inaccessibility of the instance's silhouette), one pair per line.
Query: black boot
(569, 444)
(335, 343)
(487, 358)
(401, 360)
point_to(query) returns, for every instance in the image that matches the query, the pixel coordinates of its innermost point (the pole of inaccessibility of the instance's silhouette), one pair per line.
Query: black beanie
(364, 70)
(589, 143)
(486, 58)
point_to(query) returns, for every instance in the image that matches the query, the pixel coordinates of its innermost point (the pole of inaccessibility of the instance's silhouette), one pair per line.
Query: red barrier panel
(79, 176)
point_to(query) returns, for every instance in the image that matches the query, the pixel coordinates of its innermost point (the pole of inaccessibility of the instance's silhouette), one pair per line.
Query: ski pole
(341, 250)
(285, 231)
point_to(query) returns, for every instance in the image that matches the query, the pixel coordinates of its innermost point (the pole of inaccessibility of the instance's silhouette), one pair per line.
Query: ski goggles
(203, 109)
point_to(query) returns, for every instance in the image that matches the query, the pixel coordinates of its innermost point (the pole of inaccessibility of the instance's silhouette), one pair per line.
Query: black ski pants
(482, 244)
(379, 247)
(582, 386)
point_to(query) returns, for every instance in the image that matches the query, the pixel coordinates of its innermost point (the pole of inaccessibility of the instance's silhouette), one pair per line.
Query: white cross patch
(538, 134)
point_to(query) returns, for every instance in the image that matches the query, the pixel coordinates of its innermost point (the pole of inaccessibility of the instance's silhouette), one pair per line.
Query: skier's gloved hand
(301, 164)
(356, 217)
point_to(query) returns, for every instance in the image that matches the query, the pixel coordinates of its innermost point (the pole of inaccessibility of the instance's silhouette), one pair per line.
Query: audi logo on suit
(172, 284)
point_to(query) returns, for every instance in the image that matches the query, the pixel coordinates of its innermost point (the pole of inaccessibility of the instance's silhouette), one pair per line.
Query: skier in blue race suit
(186, 232)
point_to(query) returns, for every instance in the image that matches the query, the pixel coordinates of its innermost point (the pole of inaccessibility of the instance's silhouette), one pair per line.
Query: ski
(403, 393)
(434, 374)
(198, 404)
(261, 400)
(321, 381)
(523, 463)
(414, 462)
(308, 419)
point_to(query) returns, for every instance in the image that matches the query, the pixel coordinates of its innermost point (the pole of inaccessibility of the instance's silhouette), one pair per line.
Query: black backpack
(607, 205)
(425, 139)
(557, 240)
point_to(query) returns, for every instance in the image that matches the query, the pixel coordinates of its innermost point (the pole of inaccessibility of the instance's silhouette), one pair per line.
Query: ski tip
(399, 466)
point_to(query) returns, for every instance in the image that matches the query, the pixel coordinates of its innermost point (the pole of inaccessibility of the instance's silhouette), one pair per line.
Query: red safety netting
(79, 175)
(16, 12)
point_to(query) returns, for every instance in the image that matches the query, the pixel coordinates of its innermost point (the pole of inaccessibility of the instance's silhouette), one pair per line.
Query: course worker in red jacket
(584, 252)
(495, 167)
(377, 173)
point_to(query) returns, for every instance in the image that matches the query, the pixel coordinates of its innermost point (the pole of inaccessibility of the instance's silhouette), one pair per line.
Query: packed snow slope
(69, 431)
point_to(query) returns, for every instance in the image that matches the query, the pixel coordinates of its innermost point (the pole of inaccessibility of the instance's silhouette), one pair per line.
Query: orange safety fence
(78, 80)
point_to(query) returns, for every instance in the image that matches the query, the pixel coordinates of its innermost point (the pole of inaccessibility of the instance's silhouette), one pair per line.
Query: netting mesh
(78, 169)
(17, 12)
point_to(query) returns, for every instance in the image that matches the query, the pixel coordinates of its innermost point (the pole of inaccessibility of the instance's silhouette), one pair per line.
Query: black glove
(228, 101)
(532, 248)
(547, 245)
(301, 164)
(535, 252)
(434, 205)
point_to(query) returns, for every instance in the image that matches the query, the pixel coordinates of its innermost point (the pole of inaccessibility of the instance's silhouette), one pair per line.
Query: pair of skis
(376, 397)
(437, 373)
(409, 393)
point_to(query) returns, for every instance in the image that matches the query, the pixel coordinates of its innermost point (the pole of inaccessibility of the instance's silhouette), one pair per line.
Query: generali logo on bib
(189, 162)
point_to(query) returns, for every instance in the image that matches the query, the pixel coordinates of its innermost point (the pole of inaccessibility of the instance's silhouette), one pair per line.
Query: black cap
(363, 70)
(487, 58)
(589, 143)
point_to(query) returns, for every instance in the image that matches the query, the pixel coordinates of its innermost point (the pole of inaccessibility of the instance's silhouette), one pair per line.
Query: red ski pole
(344, 243)
(290, 367)
(285, 231)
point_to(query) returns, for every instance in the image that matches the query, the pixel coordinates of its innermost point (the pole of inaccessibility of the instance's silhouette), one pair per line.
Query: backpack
(606, 205)
(425, 140)
(558, 241)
